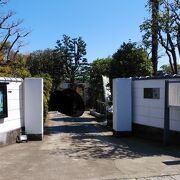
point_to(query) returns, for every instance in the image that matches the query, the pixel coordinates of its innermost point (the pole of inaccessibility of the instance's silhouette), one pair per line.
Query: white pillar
(122, 105)
(33, 107)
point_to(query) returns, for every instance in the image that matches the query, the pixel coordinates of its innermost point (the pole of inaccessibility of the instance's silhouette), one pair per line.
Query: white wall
(122, 105)
(15, 105)
(33, 106)
(174, 95)
(150, 112)
(174, 105)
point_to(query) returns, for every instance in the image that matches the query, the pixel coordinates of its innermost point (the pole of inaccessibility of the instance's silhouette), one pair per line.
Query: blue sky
(103, 24)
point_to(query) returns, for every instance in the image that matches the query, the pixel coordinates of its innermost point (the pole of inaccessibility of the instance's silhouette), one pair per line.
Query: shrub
(47, 82)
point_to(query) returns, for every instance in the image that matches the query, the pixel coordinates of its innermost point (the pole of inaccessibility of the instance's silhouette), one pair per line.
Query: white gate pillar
(122, 106)
(33, 108)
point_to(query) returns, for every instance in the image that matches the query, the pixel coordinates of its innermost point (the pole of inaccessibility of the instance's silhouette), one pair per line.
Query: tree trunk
(72, 81)
(178, 39)
(154, 31)
(173, 52)
(170, 61)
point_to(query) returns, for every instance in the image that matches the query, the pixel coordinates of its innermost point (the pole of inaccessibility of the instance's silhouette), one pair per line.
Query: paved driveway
(80, 148)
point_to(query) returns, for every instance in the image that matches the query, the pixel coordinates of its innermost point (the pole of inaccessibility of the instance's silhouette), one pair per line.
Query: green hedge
(47, 82)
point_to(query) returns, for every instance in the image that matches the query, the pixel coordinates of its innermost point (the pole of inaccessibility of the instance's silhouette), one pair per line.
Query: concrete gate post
(122, 106)
(33, 108)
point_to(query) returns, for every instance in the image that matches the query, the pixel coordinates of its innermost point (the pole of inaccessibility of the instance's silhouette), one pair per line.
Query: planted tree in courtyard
(71, 52)
(129, 61)
(46, 62)
(99, 68)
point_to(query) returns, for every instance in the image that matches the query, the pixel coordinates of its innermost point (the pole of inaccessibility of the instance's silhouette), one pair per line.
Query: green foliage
(5, 71)
(22, 72)
(15, 68)
(71, 52)
(4, 50)
(129, 61)
(167, 68)
(18, 66)
(83, 75)
(99, 67)
(47, 82)
(47, 61)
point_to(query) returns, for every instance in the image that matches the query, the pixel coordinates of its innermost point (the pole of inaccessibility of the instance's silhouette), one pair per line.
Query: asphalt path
(82, 148)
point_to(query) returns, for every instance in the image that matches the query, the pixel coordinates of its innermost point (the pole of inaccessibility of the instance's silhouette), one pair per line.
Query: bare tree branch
(11, 34)
(5, 39)
(3, 2)
(18, 36)
(170, 61)
(3, 19)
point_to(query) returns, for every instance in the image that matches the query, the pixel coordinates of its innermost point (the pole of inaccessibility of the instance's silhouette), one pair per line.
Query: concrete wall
(174, 95)
(14, 121)
(150, 112)
(122, 105)
(174, 105)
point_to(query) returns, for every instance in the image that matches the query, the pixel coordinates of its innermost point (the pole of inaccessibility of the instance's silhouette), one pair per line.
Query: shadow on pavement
(75, 119)
(91, 141)
(75, 129)
(110, 147)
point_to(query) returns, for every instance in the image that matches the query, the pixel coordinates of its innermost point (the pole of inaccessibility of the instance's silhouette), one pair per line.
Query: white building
(21, 108)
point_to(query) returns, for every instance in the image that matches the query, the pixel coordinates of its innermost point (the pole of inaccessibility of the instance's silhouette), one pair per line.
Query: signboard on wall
(174, 94)
(3, 100)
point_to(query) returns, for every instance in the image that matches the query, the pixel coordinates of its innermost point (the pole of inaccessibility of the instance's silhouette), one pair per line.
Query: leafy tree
(18, 66)
(83, 74)
(99, 67)
(47, 83)
(168, 30)
(71, 52)
(129, 61)
(15, 68)
(167, 68)
(5, 71)
(8, 71)
(46, 62)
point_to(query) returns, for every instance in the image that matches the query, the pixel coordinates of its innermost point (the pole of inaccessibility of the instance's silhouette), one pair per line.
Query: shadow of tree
(75, 119)
(75, 129)
(109, 147)
(92, 141)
